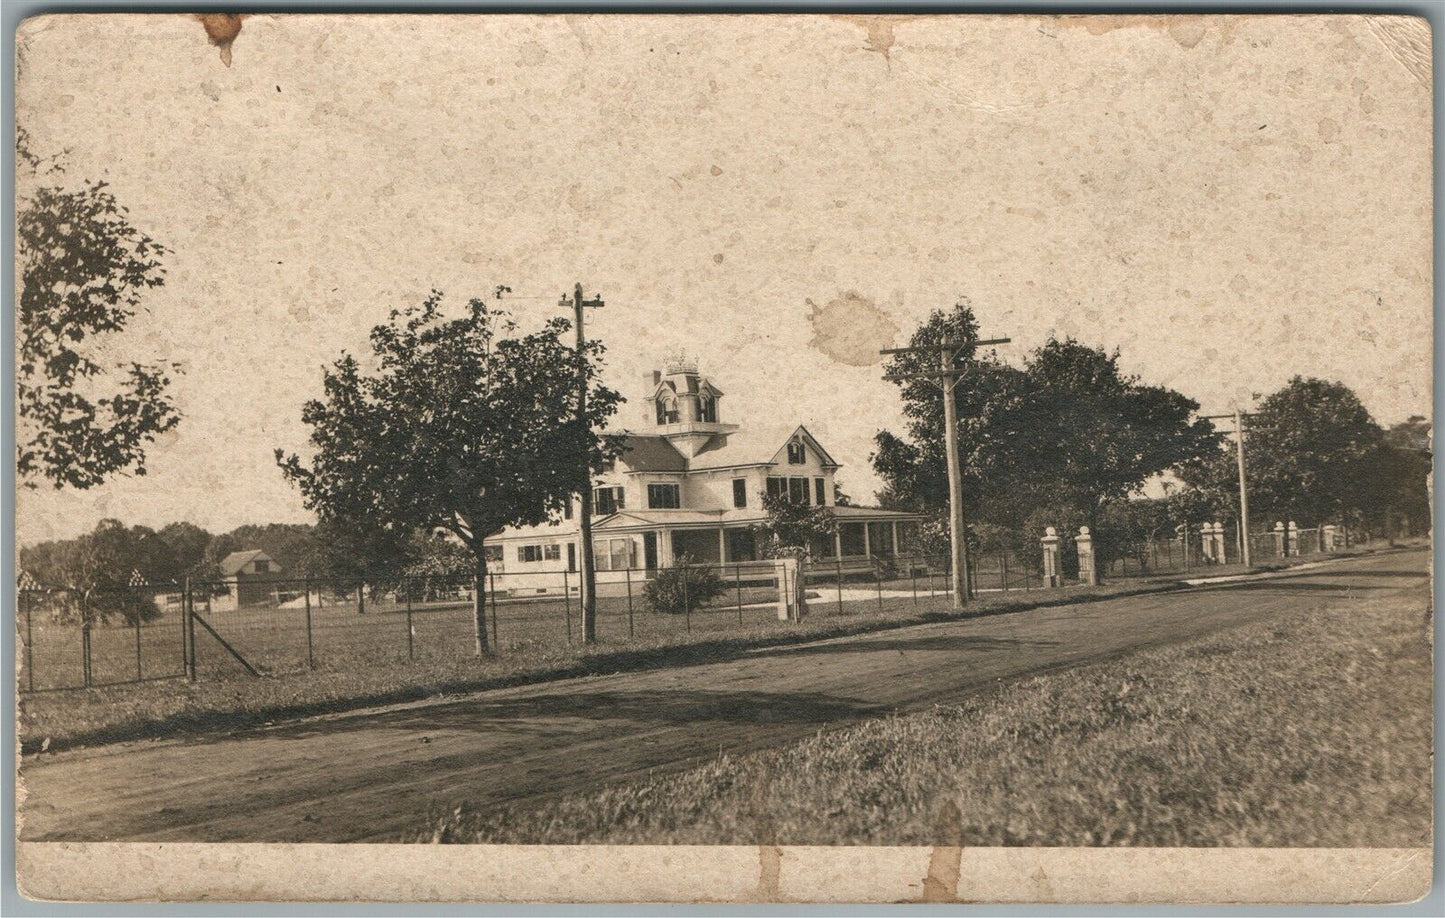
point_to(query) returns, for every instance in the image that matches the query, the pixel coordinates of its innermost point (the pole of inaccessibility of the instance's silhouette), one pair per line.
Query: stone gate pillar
(1088, 572)
(1281, 546)
(1053, 571)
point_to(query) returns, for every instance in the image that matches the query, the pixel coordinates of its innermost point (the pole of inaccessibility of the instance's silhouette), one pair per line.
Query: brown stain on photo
(850, 328)
(945, 863)
(877, 30)
(1186, 30)
(221, 30)
(770, 853)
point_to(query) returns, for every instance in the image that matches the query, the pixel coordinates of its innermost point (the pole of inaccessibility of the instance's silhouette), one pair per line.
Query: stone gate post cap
(1050, 531)
(1083, 530)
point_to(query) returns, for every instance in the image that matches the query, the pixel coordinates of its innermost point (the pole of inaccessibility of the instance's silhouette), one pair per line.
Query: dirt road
(371, 776)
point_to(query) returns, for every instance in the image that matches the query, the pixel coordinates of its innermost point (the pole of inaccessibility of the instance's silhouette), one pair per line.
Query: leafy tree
(1311, 447)
(84, 270)
(464, 425)
(1069, 432)
(791, 526)
(188, 543)
(1401, 493)
(914, 469)
(98, 567)
(434, 562)
(1086, 434)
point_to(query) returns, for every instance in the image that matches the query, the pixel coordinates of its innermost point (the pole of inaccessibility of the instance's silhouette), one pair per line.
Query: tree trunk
(479, 605)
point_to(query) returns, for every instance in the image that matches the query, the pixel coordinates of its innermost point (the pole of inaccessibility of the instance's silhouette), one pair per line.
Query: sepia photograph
(723, 458)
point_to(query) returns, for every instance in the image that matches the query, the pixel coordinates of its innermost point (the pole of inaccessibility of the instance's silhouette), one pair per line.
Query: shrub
(680, 589)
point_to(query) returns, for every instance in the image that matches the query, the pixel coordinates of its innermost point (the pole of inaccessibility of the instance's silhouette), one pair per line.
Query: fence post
(567, 599)
(628, 573)
(840, 586)
(188, 631)
(139, 674)
(878, 581)
(1003, 571)
(410, 630)
(686, 606)
(738, 582)
(25, 601)
(913, 580)
(310, 652)
(85, 641)
(492, 595)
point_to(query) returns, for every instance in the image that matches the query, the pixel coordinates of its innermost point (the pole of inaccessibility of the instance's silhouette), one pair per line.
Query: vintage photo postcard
(747, 458)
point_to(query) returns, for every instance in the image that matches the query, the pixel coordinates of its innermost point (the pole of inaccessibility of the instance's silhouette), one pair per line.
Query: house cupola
(682, 405)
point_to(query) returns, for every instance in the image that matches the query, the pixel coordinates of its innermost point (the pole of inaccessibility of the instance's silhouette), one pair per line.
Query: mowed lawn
(1311, 730)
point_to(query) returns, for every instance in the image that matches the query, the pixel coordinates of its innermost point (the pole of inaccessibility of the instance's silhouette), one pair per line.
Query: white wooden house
(690, 485)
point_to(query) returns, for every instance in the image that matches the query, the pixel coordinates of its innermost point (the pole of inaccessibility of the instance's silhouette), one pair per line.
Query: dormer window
(707, 409)
(796, 455)
(667, 411)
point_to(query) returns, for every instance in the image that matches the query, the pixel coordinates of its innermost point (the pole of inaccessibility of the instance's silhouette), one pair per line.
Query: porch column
(867, 544)
(665, 556)
(722, 545)
(896, 551)
(838, 541)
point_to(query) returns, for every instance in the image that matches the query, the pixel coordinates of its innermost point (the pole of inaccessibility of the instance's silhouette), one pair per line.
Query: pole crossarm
(943, 346)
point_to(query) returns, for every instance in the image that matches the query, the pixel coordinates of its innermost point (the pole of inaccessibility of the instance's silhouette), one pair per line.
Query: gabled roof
(755, 446)
(644, 453)
(231, 564)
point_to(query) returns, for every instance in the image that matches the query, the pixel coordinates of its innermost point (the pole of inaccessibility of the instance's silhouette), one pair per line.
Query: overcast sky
(1228, 203)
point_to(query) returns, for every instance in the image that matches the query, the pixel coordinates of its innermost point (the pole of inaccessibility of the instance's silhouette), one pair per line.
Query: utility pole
(947, 377)
(1239, 417)
(1243, 491)
(589, 573)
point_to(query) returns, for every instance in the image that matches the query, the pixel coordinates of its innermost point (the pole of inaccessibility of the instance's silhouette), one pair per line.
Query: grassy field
(1311, 730)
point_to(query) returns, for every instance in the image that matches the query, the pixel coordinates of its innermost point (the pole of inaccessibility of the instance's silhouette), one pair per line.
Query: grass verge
(118, 713)
(1311, 730)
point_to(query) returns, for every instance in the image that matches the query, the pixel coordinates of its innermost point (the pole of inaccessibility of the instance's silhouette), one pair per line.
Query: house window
(613, 554)
(667, 411)
(663, 497)
(492, 552)
(606, 501)
(261, 567)
(818, 492)
(777, 487)
(567, 509)
(707, 408)
(740, 492)
(531, 554)
(796, 455)
(798, 490)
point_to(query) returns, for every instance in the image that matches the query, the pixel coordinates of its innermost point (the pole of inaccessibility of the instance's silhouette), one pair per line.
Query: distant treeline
(114, 554)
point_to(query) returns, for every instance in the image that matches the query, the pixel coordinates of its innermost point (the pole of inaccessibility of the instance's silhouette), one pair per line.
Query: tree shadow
(541, 712)
(936, 642)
